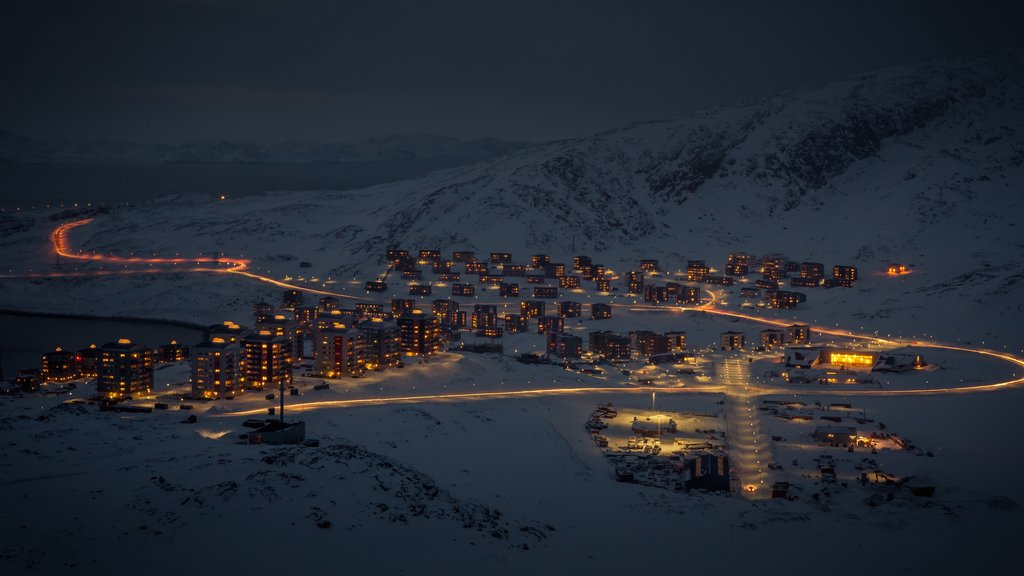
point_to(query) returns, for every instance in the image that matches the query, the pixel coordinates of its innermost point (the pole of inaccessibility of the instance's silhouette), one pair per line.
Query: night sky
(333, 70)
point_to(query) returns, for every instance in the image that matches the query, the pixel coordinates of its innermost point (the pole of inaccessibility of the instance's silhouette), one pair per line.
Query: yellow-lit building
(419, 333)
(218, 369)
(59, 366)
(339, 351)
(381, 343)
(267, 360)
(125, 370)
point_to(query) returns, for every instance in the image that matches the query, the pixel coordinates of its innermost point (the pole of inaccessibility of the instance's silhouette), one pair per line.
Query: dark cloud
(261, 70)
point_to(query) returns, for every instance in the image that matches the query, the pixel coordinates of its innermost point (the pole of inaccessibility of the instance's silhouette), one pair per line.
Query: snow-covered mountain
(15, 149)
(920, 165)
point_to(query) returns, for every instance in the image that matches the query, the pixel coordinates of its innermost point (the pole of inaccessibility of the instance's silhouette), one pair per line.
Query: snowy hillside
(920, 165)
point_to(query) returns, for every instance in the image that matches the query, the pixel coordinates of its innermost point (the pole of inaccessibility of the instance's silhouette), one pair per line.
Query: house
(600, 311)
(732, 340)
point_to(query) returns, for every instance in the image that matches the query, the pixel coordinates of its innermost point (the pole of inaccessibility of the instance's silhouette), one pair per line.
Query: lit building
(646, 343)
(484, 316)
(419, 333)
(394, 254)
(531, 308)
(59, 366)
(285, 328)
(463, 289)
(464, 256)
(500, 258)
(328, 303)
(88, 360)
(847, 275)
(569, 309)
(750, 292)
(676, 341)
(600, 311)
(305, 316)
(515, 323)
(739, 264)
(339, 352)
(635, 282)
(125, 370)
(783, 299)
(609, 345)
(546, 324)
(478, 268)
(447, 312)
(430, 255)
(554, 269)
(802, 282)
(508, 290)
(766, 284)
(377, 285)
(564, 345)
(218, 369)
(733, 340)
(441, 266)
(369, 309)
(655, 294)
(450, 277)
(514, 270)
(798, 333)
(602, 285)
(419, 289)
(228, 330)
(580, 262)
(381, 343)
(413, 274)
(569, 282)
(545, 292)
(291, 298)
(491, 279)
(400, 306)
(891, 270)
(688, 295)
(772, 337)
(719, 280)
(697, 271)
(812, 270)
(172, 352)
(649, 265)
(266, 360)
(538, 260)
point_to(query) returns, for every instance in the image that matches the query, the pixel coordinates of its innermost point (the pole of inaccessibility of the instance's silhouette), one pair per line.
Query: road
(749, 454)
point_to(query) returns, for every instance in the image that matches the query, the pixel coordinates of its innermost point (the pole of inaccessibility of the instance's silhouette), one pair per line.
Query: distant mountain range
(16, 149)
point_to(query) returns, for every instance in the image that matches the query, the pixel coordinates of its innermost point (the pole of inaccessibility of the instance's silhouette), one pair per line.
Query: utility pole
(282, 401)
